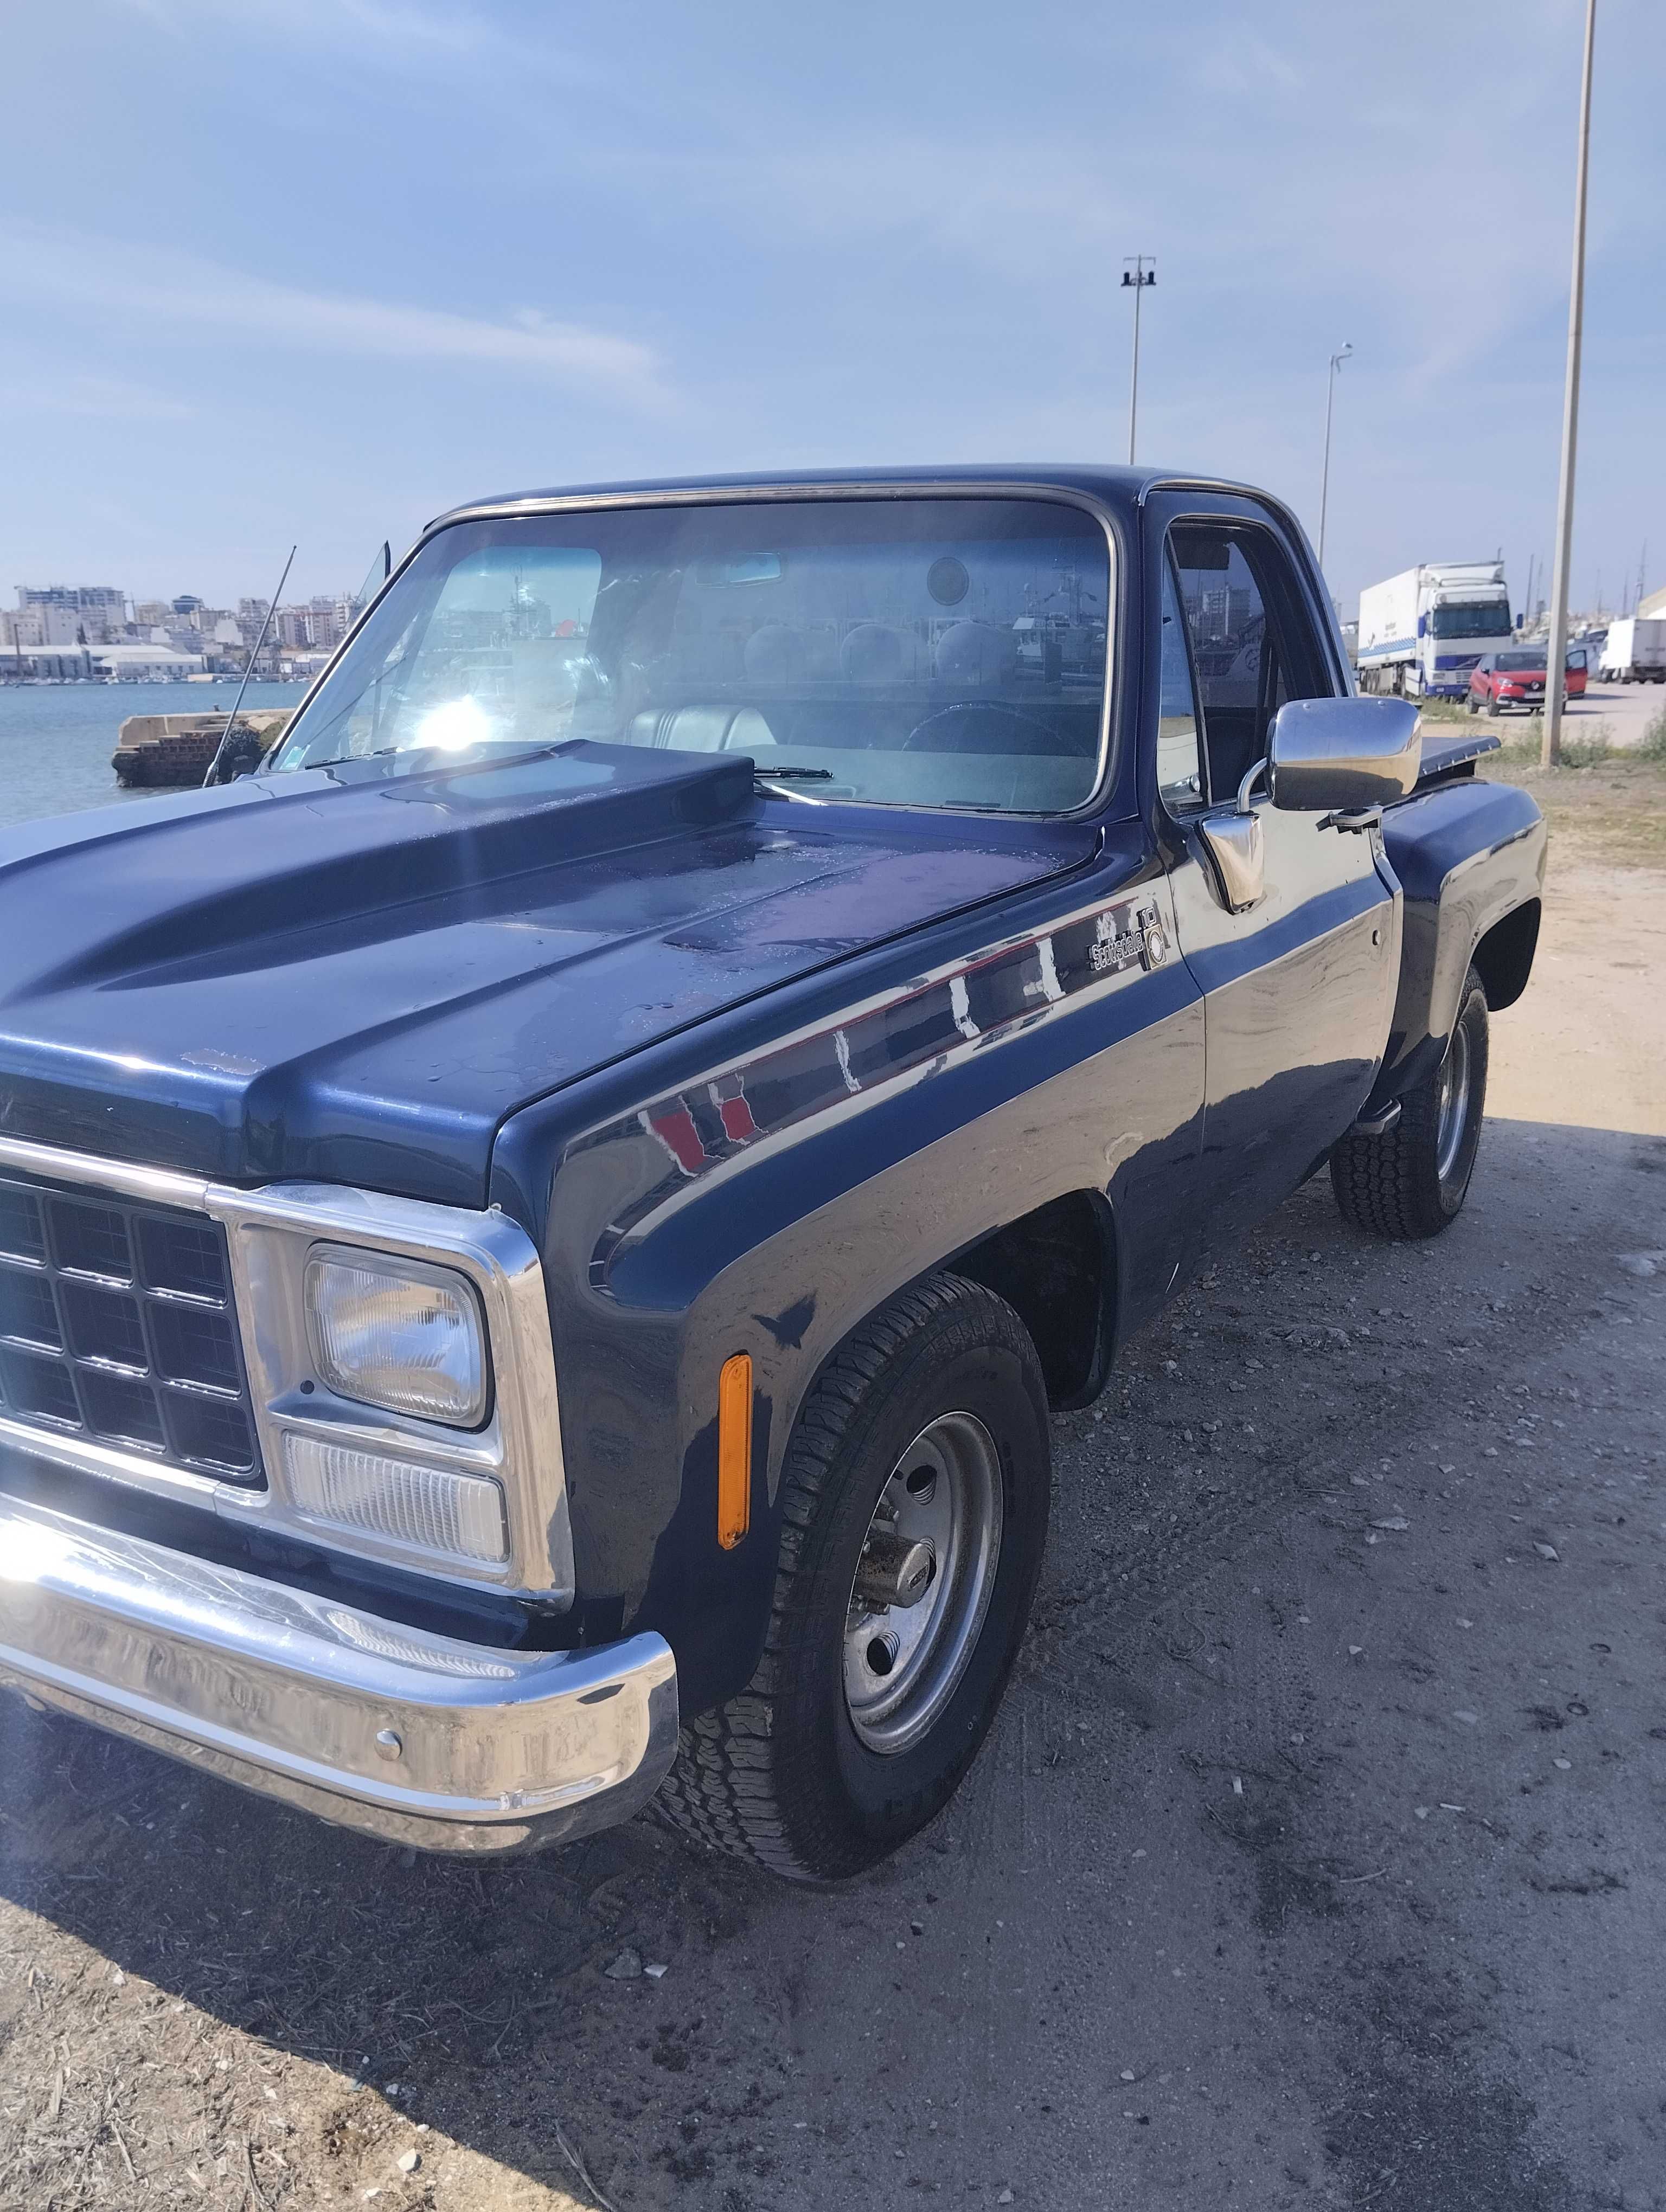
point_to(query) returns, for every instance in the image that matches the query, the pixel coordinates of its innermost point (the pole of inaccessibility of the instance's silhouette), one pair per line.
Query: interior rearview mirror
(1341, 755)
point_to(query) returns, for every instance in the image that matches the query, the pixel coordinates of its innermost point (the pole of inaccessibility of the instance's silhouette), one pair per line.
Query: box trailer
(1634, 650)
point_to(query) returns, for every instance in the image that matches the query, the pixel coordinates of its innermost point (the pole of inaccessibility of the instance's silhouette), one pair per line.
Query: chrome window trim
(888, 491)
(1322, 612)
(269, 1231)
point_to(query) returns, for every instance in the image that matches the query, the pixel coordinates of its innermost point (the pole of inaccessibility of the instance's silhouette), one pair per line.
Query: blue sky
(314, 270)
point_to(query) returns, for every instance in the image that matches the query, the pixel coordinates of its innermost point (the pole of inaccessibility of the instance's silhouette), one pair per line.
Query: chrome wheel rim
(902, 1660)
(1454, 1103)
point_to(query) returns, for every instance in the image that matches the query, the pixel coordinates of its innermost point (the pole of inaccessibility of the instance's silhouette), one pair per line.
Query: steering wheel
(918, 741)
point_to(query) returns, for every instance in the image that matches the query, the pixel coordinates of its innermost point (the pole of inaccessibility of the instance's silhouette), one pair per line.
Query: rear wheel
(915, 1500)
(1412, 1181)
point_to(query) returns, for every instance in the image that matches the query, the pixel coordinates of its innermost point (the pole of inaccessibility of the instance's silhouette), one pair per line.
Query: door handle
(1234, 846)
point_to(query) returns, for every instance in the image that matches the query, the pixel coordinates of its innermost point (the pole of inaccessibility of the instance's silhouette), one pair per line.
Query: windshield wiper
(341, 760)
(796, 775)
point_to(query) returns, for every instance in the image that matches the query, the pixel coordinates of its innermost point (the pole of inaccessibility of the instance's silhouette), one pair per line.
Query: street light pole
(1556, 648)
(1139, 270)
(1337, 361)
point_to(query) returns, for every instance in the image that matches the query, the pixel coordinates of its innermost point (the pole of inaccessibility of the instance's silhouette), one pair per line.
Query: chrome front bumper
(412, 1737)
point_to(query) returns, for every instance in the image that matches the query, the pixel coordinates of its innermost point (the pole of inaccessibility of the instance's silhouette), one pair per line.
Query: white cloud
(38, 265)
(112, 397)
(411, 37)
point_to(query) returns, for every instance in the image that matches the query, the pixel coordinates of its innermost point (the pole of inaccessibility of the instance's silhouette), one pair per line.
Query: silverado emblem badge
(1129, 937)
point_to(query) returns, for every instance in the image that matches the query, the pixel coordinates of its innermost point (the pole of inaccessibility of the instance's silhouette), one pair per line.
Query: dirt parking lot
(1316, 1861)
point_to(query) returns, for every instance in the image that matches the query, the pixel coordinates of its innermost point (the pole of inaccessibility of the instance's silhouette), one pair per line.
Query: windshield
(929, 651)
(1490, 619)
(1520, 663)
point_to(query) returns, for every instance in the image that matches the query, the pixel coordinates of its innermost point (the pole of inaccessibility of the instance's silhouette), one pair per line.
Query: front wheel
(916, 1496)
(1412, 1181)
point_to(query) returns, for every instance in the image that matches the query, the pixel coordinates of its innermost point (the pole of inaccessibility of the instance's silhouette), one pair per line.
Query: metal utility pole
(1556, 649)
(1139, 270)
(1337, 361)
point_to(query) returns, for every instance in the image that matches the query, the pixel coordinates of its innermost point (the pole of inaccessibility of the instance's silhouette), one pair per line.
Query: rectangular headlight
(428, 1507)
(398, 1334)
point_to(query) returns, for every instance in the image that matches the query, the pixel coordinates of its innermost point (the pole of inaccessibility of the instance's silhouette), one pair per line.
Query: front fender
(769, 1206)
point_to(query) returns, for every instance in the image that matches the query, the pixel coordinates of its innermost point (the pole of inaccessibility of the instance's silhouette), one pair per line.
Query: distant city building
(317, 627)
(144, 663)
(64, 631)
(325, 625)
(58, 662)
(75, 614)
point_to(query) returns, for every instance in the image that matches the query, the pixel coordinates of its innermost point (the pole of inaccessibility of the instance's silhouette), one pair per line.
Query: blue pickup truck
(540, 1233)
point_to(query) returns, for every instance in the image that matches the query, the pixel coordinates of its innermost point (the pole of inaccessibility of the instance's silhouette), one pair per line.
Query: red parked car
(1515, 677)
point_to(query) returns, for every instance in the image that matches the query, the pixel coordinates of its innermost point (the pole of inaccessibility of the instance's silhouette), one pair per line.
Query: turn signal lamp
(431, 1508)
(734, 1449)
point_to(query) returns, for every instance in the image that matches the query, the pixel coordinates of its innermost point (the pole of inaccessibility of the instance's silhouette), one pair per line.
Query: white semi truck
(1634, 650)
(1422, 631)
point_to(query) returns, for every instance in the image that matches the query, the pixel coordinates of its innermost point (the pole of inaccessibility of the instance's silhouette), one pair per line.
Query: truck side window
(1253, 641)
(1180, 768)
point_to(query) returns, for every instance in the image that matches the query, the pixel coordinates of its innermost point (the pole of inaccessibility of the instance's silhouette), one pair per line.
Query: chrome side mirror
(1343, 756)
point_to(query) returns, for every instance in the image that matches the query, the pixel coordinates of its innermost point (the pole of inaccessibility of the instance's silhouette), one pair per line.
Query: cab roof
(1111, 486)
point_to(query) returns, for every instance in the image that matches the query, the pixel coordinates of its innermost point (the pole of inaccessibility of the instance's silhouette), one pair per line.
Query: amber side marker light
(734, 1449)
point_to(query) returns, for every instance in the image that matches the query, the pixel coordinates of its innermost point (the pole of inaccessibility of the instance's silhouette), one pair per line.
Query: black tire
(1472, 704)
(1411, 1182)
(1493, 707)
(780, 1774)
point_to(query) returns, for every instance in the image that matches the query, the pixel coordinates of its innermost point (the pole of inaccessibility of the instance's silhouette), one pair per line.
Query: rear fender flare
(1468, 857)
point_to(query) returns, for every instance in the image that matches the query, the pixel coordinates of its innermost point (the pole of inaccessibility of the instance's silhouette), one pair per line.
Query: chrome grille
(117, 1323)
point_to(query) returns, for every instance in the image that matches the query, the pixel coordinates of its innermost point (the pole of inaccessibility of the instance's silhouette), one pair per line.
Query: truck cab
(1423, 631)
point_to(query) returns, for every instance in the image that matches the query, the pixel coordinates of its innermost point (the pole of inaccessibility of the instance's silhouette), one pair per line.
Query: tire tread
(725, 1788)
(1386, 1185)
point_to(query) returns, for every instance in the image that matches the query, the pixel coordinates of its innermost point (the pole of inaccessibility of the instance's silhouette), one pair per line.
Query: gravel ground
(1314, 1860)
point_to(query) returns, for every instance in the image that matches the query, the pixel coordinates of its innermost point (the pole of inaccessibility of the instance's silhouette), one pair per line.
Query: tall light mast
(1139, 271)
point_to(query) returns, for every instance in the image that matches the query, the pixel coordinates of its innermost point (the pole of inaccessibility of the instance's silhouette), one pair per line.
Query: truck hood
(353, 975)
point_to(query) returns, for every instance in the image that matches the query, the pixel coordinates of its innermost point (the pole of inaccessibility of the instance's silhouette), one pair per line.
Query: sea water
(56, 739)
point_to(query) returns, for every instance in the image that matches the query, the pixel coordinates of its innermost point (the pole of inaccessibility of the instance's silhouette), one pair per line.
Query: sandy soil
(1316, 1859)
(1616, 714)
(1619, 712)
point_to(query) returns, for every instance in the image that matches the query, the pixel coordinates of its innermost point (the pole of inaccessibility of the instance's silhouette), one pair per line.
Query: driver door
(1299, 988)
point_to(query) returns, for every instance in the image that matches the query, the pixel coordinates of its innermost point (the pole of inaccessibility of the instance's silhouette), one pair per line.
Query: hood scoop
(354, 976)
